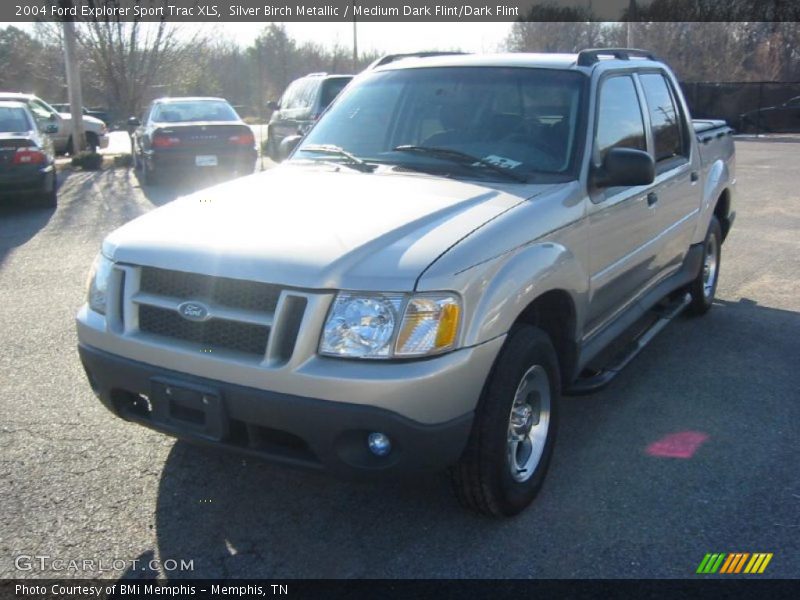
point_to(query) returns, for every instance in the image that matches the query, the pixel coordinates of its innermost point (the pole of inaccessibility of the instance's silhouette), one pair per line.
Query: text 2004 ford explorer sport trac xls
(449, 248)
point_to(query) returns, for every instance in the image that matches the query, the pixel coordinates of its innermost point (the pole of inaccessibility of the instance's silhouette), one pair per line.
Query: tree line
(124, 65)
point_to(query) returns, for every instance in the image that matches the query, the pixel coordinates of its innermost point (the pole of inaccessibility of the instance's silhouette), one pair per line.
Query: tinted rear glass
(194, 110)
(13, 120)
(331, 89)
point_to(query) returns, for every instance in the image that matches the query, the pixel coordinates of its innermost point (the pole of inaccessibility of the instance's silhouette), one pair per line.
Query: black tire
(92, 142)
(148, 176)
(49, 198)
(703, 290)
(482, 479)
(272, 150)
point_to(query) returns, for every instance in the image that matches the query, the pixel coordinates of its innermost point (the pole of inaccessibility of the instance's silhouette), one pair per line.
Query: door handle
(652, 198)
(694, 177)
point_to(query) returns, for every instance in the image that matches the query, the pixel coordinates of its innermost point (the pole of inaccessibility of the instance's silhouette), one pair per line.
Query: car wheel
(148, 175)
(272, 150)
(48, 198)
(92, 142)
(508, 453)
(704, 287)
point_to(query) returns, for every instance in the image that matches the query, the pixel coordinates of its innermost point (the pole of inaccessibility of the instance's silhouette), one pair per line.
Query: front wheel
(704, 287)
(508, 453)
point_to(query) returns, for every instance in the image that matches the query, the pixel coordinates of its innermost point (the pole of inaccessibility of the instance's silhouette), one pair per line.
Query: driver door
(623, 227)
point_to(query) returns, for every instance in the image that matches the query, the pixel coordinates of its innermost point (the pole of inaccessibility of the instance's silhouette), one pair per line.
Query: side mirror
(51, 128)
(625, 167)
(288, 144)
(272, 105)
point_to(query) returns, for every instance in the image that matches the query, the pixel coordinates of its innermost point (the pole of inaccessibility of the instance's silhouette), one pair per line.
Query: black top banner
(398, 10)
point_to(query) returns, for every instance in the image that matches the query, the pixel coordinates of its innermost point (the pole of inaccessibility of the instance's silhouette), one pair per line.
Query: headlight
(97, 286)
(370, 325)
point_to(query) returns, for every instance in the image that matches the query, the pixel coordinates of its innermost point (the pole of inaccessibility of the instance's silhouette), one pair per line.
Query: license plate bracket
(186, 407)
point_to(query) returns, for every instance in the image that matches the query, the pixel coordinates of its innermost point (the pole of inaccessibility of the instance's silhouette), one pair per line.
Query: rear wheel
(92, 143)
(508, 453)
(704, 287)
(48, 197)
(148, 176)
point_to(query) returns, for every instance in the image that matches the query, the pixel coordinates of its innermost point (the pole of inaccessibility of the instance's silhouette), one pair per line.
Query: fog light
(379, 443)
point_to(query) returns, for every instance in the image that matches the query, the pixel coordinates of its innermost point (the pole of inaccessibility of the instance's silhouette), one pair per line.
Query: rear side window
(664, 117)
(619, 117)
(306, 98)
(289, 99)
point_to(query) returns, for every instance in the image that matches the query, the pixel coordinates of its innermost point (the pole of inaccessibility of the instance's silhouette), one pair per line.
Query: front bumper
(281, 427)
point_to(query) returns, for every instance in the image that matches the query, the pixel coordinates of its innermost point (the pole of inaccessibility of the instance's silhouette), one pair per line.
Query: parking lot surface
(80, 484)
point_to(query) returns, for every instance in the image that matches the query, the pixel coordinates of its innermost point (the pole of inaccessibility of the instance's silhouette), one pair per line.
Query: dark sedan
(27, 167)
(189, 135)
(783, 118)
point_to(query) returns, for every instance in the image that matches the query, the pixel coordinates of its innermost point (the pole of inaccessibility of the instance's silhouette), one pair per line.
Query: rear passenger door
(622, 223)
(677, 190)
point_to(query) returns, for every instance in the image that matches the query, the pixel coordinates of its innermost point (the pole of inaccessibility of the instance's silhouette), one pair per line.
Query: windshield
(519, 119)
(194, 110)
(14, 120)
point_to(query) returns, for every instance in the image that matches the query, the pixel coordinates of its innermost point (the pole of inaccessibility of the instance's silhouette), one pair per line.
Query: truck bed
(714, 139)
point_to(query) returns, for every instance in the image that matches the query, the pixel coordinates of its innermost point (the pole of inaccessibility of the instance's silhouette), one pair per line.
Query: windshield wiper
(351, 160)
(461, 158)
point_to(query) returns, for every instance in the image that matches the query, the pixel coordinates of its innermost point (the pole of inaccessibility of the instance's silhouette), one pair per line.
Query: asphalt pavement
(693, 449)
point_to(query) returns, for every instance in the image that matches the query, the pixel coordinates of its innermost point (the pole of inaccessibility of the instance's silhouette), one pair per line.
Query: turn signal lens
(430, 325)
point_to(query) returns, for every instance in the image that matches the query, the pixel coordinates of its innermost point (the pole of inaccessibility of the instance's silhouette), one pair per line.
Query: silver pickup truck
(455, 243)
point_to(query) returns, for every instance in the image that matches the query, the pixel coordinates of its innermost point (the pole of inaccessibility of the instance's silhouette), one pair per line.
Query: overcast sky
(390, 37)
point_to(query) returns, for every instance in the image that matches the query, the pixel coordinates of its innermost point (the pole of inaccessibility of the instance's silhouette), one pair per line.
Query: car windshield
(194, 110)
(518, 119)
(14, 120)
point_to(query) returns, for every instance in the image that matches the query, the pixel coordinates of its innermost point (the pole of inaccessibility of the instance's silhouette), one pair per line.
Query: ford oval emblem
(193, 311)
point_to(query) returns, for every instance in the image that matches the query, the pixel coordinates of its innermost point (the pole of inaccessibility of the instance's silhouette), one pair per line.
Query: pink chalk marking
(677, 445)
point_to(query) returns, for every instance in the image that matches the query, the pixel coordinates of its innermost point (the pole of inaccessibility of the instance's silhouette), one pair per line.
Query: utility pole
(632, 17)
(74, 87)
(355, 39)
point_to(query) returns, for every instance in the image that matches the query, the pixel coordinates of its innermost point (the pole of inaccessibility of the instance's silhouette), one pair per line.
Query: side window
(619, 117)
(308, 93)
(39, 111)
(295, 94)
(664, 118)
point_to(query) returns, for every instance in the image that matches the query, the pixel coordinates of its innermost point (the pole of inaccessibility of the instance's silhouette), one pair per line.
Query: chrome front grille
(252, 319)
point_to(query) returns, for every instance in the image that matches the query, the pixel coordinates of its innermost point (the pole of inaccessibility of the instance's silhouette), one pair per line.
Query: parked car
(456, 241)
(784, 118)
(27, 163)
(300, 106)
(189, 134)
(97, 113)
(95, 130)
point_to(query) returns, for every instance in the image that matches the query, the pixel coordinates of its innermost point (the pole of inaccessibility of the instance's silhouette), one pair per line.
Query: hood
(314, 228)
(87, 120)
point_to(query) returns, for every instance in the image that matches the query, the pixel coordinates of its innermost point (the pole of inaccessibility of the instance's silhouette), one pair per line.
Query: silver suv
(451, 247)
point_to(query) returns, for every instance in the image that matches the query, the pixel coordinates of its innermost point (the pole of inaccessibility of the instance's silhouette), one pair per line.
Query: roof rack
(586, 58)
(390, 58)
